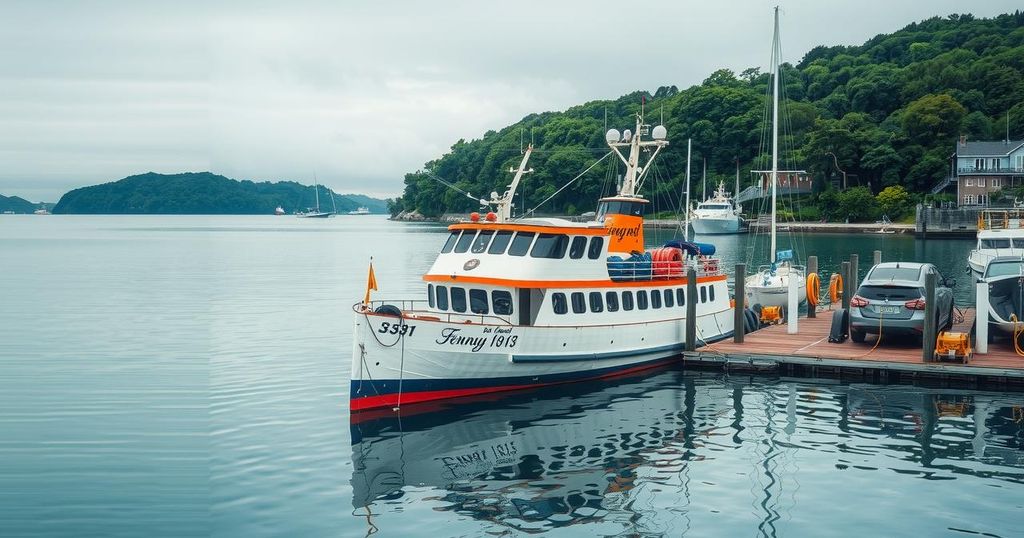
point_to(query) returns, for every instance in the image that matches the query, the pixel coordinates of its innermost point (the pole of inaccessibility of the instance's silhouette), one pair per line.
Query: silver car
(891, 301)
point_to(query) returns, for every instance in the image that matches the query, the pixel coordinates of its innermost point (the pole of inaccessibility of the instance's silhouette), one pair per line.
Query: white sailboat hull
(767, 289)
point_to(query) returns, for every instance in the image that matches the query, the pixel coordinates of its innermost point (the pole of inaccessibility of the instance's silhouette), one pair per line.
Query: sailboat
(314, 212)
(770, 285)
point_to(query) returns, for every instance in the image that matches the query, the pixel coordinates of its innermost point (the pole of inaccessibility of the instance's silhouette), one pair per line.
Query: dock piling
(928, 342)
(812, 267)
(844, 272)
(981, 318)
(739, 321)
(793, 306)
(877, 258)
(691, 309)
(854, 272)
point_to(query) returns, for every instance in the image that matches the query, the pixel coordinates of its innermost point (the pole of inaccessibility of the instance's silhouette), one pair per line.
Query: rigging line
(567, 184)
(434, 176)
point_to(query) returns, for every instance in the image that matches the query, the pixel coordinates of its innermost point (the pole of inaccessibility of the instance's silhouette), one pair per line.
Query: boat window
(558, 303)
(500, 242)
(430, 295)
(550, 246)
(1018, 242)
(459, 299)
(627, 300)
(464, 241)
(450, 243)
(521, 244)
(579, 303)
(713, 206)
(503, 302)
(596, 303)
(681, 296)
(895, 273)
(482, 239)
(1005, 268)
(1002, 242)
(711, 293)
(611, 300)
(442, 297)
(596, 243)
(670, 299)
(641, 300)
(478, 301)
(579, 244)
(655, 299)
(703, 294)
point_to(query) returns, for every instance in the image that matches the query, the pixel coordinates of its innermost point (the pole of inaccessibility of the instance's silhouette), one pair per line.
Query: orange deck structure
(894, 358)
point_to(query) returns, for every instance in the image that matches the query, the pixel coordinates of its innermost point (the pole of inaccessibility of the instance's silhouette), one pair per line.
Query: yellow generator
(953, 346)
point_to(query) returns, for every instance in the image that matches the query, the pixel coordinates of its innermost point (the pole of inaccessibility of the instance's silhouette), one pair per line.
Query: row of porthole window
(552, 246)
(440, 298)
(600, 302)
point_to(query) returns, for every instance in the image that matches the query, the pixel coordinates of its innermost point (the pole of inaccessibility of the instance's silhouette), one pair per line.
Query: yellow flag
(371, 284)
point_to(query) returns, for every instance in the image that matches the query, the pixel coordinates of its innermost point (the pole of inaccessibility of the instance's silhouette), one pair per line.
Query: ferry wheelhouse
(1000, 234)
(514, 304)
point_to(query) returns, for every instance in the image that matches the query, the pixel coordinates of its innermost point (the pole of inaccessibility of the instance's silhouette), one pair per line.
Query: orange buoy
(813, 289)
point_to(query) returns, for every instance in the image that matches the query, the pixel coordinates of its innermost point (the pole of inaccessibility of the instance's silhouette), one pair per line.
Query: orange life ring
(835, 288)
(813, 289)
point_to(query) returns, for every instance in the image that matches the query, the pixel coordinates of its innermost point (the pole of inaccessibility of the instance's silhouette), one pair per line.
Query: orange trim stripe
(566, 283)
(528, 228)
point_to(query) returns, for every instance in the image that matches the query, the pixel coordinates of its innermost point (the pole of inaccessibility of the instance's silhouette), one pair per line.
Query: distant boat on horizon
(314, 212)
(279, 211)
(362, 210)
(41, 211)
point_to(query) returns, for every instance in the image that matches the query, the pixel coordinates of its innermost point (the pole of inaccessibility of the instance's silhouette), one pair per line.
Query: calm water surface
(188, 376)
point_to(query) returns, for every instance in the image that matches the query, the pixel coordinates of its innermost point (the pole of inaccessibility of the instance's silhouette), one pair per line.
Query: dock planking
(810, 347)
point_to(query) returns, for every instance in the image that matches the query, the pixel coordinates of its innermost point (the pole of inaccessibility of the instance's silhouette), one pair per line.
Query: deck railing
(409, 310)
(1001, 219)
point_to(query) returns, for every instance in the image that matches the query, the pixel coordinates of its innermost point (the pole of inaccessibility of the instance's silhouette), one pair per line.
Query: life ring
(813, 289)
(835, 288)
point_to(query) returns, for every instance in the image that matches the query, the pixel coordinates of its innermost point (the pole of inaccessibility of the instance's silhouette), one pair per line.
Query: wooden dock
(894, 359)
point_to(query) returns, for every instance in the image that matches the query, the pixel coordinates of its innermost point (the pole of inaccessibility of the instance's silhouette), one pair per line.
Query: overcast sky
(357, 92)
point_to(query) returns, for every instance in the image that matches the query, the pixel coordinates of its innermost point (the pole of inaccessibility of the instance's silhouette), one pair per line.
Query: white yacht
(717, 215)
(999, 234)
(315, 212)
(516, 304)
(360, 211)
(769, 286)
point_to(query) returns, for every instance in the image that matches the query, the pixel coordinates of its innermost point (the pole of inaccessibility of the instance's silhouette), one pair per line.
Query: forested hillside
(201, 193)
(16, 204)
(890, 110)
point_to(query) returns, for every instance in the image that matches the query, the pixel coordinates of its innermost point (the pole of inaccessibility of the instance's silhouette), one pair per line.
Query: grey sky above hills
(354, 92)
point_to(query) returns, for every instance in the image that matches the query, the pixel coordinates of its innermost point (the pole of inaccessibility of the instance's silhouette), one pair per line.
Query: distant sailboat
(314, 212)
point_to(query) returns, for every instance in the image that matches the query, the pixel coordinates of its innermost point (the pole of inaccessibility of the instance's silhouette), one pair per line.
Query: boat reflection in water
(675, 451)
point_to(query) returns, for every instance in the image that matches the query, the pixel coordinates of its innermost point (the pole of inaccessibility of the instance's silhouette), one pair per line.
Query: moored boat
(515, 304)
(717, 215)
(1005, 278)
(360, 211)
(1000, 234)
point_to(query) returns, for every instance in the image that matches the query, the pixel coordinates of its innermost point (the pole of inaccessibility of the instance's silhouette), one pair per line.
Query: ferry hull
(708, 226)
(439, 360)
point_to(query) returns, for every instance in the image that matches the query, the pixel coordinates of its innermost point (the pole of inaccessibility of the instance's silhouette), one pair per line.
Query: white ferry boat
(279, 211)
(360, 211)
(1000, 234)
(515, 304)
(717, 215)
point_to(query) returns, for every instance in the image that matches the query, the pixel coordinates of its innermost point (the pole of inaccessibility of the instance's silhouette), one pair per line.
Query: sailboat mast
(775, 125)
(736, 192)
(686, 228)
(704, 180)
(316, 189)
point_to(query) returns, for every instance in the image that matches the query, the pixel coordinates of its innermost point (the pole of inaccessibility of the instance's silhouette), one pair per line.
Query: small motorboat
(1005, 278)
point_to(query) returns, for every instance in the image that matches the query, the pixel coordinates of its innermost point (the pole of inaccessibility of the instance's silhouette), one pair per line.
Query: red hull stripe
(392, 400)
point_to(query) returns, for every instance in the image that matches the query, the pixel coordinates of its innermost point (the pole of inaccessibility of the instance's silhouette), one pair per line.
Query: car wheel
(857, 336)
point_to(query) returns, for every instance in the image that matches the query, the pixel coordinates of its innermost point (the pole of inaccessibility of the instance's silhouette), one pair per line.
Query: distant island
(15, 204)
(203, 193)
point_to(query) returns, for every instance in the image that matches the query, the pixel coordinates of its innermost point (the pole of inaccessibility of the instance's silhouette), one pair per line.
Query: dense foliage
(889, 110)
(16, 204)
(202, 193)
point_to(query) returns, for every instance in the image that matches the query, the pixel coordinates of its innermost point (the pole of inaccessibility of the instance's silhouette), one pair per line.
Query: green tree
(857, 205)
(933, 117)
(893, 201)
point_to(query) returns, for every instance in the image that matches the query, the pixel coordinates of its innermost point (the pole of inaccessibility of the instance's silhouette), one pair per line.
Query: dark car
(891, 300)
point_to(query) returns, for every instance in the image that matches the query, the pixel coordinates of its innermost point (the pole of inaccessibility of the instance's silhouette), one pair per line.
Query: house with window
(984, 167)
